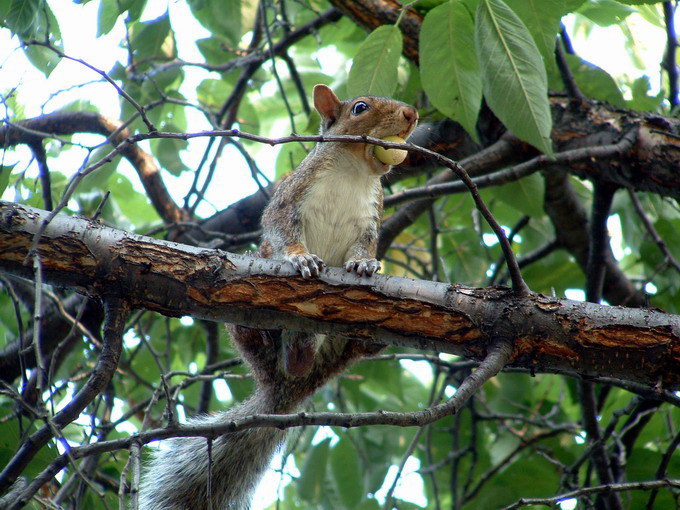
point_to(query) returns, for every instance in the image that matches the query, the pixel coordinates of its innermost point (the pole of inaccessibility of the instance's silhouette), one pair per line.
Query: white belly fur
(337, 210)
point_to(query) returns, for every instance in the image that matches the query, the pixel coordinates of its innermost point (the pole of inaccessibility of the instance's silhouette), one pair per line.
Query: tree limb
(550, 334)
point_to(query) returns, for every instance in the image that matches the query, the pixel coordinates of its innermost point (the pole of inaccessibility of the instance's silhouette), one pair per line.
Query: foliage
(521, 437)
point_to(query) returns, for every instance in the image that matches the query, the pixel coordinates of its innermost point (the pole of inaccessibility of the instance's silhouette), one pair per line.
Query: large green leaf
(107, 15)
(606, 12)
(515, 82)
(525, 195)
(641, 2)
(44, 59)
(595, 82)
(374, 70)
(542, 18)
(346, 469)
(223, 19)
(311, 483)
(21, 16)
(449, 71)
(154, 39)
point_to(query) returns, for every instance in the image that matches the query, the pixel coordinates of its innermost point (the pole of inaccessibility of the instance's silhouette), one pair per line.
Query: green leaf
(641, 100)
(5, 172)
(449, 72)
(107, 15)
(572, 5)
(44, 59)
(346, 469)
(641, 2)
(311, 482)
(525, 195)
(22, 15)
(167, 152)
(214, 50)
(542, 18)
(222, 18)
(100, 177)
(374, 70)
(606, 12)
(595, 82)
(514, 78)
(211, 92)
(154, 39)
(289, 157)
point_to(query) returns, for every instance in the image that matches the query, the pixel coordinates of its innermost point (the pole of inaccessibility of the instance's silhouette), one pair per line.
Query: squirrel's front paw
(307, 263)
(363, 266)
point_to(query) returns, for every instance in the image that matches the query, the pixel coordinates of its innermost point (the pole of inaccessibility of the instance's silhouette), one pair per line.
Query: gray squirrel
(326, 212)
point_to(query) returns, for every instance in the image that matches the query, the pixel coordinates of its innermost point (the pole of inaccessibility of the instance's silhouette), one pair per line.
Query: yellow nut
(391, 156)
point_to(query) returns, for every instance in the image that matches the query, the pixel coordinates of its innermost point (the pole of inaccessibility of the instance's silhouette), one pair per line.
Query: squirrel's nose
(410, 114)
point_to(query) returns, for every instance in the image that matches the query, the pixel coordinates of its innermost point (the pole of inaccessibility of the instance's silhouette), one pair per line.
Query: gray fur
(329, 208)
(176, 478)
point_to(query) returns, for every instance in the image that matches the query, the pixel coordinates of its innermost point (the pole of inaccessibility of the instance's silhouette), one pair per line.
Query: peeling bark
(549, 334)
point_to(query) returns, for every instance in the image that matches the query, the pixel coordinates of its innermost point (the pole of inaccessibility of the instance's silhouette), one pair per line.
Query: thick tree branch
(550, 334)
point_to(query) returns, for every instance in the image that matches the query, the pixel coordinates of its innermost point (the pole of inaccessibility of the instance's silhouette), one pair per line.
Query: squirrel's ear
(327, 104)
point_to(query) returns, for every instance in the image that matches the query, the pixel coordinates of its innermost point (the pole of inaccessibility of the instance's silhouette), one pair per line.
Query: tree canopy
(537, 211)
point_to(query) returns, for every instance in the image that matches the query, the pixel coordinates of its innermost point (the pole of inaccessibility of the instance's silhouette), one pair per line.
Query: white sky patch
(410, 487)
(125, 427)
(130, 339)
(275, 481)
(186, 321)
(616, 236)
(222, 391)
(450, 391)
(568, 504)
(324, 433)
(421, 370)
(575, 294)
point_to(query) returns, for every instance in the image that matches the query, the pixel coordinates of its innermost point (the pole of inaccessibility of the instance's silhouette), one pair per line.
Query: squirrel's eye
(359, 107)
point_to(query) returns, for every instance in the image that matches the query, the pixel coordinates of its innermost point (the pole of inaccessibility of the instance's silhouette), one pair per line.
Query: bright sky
(78, 27)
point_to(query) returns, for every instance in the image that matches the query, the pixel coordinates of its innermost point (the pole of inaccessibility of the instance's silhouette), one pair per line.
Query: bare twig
(498, 355)
(517, 172)
(598, 489)
(668, 257)
(101, 375)
(101, 73)
(669, 60)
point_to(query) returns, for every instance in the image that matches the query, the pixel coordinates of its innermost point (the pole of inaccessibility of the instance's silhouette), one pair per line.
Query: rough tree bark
(549, 334)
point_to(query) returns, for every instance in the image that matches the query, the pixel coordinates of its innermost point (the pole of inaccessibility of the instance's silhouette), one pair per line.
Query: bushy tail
(177, 476)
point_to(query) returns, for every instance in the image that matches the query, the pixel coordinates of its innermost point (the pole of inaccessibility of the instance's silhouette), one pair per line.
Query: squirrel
(325, 213)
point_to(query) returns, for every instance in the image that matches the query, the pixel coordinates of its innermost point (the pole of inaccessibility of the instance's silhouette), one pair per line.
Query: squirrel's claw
(363, 266)
(307, 263)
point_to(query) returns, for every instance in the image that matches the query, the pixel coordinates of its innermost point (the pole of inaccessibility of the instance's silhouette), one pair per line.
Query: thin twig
(99, 378)
(669, 61)
(101, 73)
(567, 76)
(598, 489)
(668, 257)
(498, 355)
(518, 283)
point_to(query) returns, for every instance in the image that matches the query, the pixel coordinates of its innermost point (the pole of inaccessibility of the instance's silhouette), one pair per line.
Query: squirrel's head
(364, 115)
